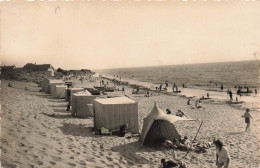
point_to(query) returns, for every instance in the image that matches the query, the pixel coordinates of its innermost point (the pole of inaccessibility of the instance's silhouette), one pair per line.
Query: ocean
(195, 75)
(200, 79)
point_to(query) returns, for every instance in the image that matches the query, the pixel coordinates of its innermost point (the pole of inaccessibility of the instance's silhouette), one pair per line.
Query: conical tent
(158, 126)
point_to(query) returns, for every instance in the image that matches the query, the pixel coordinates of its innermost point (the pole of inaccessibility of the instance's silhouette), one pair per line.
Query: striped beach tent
(159, 126)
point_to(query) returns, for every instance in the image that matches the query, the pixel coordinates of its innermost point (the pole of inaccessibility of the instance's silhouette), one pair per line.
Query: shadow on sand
(131, 157)
(65, 105)
(43, 95)
(235, 133)
(77, 130)
(57, 100)
(61, 110)
(63, 116)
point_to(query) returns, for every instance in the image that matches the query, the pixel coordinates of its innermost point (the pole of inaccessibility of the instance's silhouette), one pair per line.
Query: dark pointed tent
(159, 126)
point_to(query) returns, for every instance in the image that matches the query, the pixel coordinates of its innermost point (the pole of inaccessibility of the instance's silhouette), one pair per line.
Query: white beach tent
(60, 91)
(46, 84)
(53, 88)
(159, 126)
(112, 113)
(79, 102)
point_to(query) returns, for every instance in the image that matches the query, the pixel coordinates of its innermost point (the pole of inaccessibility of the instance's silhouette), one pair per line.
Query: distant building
(43, 67)
(34, 67)
(7, 68)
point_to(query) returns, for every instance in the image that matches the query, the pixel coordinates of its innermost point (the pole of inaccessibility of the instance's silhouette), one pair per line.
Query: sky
(107, 34)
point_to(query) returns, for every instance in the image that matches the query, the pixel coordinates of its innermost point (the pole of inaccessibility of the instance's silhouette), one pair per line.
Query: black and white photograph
(130, 84)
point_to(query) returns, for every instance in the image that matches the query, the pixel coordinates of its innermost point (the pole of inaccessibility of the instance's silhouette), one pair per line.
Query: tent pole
(195, 136)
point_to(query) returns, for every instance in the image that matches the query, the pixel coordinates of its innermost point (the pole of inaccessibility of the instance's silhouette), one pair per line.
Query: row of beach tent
(112, 113)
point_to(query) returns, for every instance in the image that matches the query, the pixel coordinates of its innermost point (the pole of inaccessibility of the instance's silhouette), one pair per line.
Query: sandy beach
(36, 131)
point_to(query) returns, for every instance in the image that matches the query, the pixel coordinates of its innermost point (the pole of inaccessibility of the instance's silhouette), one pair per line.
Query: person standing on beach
(222, 155)
(255, 91)
(247, 117)
(230, 95)
(123, 89)
(222, 87)
(208, 95)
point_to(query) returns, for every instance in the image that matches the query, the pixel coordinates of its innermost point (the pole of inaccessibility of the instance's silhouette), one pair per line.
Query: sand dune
(36, 131)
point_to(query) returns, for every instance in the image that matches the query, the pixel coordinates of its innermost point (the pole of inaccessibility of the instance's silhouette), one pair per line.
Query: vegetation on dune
(20, 74)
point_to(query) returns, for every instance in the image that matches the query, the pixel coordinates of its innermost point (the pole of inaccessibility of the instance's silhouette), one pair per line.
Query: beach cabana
(70, 91)
(159, 126)
(112, 113)
(79, 102)
(53, 89)
(60, 91)
(46, 84)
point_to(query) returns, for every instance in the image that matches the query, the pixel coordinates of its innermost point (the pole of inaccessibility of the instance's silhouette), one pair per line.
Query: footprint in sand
(71, 157)
(110, 159)
(72, 164)
(40, 163)
(55, 158)
(22, 145)
(52, 163)
(82, 163)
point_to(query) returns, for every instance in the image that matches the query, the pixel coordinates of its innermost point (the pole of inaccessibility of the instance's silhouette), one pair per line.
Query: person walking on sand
(230, 95)
(247, 117)
(222, 155)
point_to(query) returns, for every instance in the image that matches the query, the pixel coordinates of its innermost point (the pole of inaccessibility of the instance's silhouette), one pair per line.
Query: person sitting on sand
(184, 140)
(222, 155)
(168, 111)
(26, 88)
(247, 117)
(198, 104)
(180, 113)
(123, 130)
(168, 164)
(188, 102)
(10, 85)
(147, 93)
(180, 146)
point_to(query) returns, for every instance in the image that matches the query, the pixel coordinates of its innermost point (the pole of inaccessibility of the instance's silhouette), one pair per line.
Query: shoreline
(198, 92)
